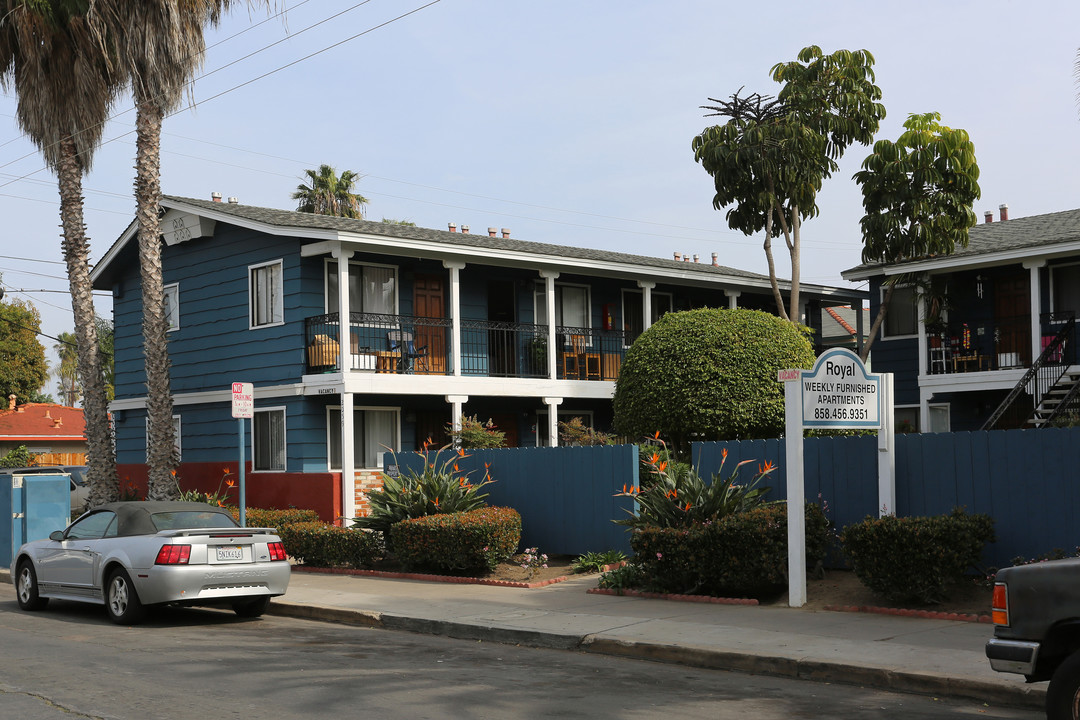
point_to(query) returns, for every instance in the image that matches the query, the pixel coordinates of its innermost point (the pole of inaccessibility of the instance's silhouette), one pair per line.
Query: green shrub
(478, 539)
(744, 553)
(675, 496)
(477, 434)
(594, 562)
(438, 488)
(575, 433)
(708, 374)
(19, 457)
(260, 517)
(321, 545)
(916, 558)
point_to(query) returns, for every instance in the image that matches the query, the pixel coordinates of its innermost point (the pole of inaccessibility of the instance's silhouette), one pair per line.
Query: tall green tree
(60, 69)
(918, 194)
(159, 45)
(769, 159)
(106, 339)
(330, 194)
(67, 372)
(23, 368)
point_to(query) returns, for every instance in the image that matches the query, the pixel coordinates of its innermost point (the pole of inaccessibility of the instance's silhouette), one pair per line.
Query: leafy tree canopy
(918, 194)
(769, 159)
(23, 368)
(330, 194)
(708, 374)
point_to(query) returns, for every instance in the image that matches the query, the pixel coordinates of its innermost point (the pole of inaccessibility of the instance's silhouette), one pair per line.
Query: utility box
(33, 503)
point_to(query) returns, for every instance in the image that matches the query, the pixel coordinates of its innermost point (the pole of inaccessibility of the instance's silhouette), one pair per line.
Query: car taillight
(173, 555)
(277, 551)
(999, 606)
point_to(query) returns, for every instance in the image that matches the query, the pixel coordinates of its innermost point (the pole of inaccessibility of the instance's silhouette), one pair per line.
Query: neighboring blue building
(441, 324)
(983, 338)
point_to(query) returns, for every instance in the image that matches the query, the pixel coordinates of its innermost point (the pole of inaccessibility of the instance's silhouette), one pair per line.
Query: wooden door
(429, 301)
(1012, 320)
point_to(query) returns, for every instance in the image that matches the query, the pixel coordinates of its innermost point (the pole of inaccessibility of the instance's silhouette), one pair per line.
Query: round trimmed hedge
(709, 374)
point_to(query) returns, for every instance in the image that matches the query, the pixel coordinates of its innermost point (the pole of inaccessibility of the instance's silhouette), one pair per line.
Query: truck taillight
(173, 555)
(999, 606)
(277, 551)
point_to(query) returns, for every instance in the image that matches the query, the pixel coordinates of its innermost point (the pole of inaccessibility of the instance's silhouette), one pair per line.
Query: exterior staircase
(1061, 399)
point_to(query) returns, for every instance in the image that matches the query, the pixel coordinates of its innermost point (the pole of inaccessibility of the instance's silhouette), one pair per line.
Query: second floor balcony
(405, 344)
(1002, 344)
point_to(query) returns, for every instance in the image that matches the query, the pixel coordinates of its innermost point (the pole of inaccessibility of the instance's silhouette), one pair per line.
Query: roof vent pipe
(233, 201)
(464, 229)
(505, 233)
(989, 216)
(678, 256)
(686, 257)
(1004, 209)
(491, 232)
(695, 257)
(452, 226)
(715, 260)
(215, 196)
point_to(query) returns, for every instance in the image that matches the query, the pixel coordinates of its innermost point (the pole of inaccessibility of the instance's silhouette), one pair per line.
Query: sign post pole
(837, 393)
(243, 406)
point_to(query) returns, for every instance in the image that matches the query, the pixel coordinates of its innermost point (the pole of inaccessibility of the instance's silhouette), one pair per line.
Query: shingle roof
(1036, 232)
(35, 422)
(310, 221)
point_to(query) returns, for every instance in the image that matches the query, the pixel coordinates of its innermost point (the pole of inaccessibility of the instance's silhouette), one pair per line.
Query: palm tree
(330, 194)
(61, 73)
(67, 372)
(160, 45)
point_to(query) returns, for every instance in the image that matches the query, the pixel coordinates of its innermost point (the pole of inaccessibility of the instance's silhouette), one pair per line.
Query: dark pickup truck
(1036, 612)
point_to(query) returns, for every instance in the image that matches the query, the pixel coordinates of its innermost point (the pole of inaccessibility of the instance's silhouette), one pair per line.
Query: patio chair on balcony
(412, 358)
(572, 360)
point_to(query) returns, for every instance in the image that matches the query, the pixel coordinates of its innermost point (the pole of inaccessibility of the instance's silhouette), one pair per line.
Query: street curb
(452, 579)
(775, 665)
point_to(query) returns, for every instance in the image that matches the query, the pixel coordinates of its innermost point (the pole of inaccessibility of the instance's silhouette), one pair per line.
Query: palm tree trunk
(101, 458)
(160, 455)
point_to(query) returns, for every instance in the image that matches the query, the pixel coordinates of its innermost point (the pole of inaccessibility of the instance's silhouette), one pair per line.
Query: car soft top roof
(133, 517)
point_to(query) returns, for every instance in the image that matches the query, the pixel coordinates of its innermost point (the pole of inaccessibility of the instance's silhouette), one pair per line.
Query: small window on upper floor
(172, 306)
(902, 317)
(265, 302)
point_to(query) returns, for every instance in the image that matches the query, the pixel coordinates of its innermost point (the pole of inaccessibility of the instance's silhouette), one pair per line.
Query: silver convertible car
(130, 555)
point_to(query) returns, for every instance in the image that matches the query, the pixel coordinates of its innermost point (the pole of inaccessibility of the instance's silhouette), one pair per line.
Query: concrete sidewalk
(942, 658)
(918, 655)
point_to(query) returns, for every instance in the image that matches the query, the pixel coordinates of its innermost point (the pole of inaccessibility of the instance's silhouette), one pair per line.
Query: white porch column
(553, 419)
(1035, 288)
(455, 267)
(732, 298)
(348, 458)
(549, 301)
(456, 401)
(646, 302)
(920, 314)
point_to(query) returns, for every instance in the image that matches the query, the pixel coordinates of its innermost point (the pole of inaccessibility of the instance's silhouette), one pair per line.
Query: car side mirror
(56, 535)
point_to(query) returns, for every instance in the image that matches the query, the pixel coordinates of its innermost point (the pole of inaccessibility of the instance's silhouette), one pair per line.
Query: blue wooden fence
(1025, 479)
(566, 496)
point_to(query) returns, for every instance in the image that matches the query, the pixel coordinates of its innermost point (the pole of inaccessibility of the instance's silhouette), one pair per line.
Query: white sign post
(837, 393)
(243, 406)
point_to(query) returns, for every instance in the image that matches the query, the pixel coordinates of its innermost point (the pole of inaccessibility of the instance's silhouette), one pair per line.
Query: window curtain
(268, 428)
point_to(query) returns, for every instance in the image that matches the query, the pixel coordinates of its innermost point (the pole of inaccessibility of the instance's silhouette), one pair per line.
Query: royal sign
(839, 393)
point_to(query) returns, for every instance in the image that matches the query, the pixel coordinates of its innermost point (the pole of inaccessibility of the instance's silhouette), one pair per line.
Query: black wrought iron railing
(419, 345)
(1059, 352)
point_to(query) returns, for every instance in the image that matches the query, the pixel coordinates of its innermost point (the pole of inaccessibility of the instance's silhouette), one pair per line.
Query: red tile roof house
(57, 432)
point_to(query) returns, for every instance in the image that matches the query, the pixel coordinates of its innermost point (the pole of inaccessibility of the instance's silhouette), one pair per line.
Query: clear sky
(567, 122)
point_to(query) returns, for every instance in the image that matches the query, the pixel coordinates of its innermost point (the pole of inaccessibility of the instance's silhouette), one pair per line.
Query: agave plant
(439, 487)
(677, 496)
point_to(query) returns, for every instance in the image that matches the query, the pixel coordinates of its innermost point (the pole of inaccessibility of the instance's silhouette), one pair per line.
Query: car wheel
(26, 588)
(1063, 695)
(251, 608)
(121, 599)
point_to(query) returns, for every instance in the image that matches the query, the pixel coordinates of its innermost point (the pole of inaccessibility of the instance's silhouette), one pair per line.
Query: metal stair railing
(1043, 374)
(1069, 405)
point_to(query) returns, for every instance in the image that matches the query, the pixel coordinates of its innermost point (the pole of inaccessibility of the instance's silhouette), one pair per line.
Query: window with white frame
(172, 306)
(633, 312)
(906, 418)
(939, 418)
(267, 307)
(372, 288)
(902, 317)
(176, 437)
(268, 439)
(572, 303)
(375, 431)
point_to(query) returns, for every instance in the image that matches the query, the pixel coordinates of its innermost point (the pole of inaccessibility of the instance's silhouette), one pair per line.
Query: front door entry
(429, 301)
(1012, 320)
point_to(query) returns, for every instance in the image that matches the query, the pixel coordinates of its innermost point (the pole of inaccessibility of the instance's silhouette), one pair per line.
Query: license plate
(226, 553)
